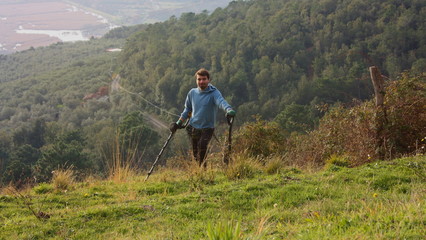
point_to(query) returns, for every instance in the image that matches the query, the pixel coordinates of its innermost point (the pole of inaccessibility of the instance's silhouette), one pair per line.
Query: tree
(66, 151)
(136, 139)
(22, 160)
(33, 135)
(296, 118)
(5, 148)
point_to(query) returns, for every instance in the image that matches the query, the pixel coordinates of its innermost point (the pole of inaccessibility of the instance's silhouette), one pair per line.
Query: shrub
(352, 132)
(405, 102)
(259, 138)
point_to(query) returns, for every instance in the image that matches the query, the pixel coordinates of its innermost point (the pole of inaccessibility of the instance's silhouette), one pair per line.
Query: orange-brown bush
(345, 132)
(350, 132)
(405, 103)
(353, 132)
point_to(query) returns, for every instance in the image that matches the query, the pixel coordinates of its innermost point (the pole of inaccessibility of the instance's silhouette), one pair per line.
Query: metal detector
(164, 147)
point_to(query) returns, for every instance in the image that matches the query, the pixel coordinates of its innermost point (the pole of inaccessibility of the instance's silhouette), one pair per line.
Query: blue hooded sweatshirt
(204, 105)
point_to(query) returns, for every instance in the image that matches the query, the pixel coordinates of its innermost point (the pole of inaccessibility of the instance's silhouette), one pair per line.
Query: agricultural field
(26, 24)
(133, 12)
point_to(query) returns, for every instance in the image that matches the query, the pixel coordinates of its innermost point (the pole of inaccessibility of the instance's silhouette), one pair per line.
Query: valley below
(26, 25)
(37, 23)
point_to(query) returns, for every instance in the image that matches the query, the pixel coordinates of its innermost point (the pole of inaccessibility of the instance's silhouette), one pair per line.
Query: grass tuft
(224, 231)
(121, 165)
(243, 167)
(63, 179)
(43, 188)
(337, 160)
(274, 165)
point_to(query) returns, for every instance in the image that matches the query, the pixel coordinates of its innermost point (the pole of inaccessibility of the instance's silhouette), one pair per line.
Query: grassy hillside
(380, 200)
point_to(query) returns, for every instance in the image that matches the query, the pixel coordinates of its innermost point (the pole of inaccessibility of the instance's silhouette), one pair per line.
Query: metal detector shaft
(227, 154)
(159, 155)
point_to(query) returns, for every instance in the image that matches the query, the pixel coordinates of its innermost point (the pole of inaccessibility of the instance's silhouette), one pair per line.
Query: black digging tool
(164, 147)
(228, 143)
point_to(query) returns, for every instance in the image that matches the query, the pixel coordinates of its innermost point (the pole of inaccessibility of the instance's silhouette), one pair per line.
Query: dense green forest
(280, 60)
(266, 55)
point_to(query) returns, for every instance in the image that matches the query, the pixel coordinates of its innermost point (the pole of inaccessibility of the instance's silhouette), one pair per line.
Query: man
(202, 102)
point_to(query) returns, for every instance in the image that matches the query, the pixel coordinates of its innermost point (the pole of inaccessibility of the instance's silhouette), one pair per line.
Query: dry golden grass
(243, 167)
(121, 164)
(274, 164)
(63, 179)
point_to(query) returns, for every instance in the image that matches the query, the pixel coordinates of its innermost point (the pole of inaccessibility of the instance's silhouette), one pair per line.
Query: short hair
(203, 72)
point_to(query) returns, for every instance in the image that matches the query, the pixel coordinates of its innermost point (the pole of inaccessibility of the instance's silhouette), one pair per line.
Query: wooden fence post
(380, 118)
(378, 84)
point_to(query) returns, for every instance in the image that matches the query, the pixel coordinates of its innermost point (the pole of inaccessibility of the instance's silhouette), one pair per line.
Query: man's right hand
(175, 126)
(230, 113)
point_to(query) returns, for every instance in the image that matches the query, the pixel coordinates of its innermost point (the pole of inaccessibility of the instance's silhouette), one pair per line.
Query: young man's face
(202, 82)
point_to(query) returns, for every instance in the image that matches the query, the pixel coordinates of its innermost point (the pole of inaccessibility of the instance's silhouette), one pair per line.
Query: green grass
(381, 200)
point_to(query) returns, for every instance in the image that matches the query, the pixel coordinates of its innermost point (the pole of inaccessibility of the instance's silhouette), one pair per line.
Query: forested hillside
(278, 59)
(47, 117)
(266, 55)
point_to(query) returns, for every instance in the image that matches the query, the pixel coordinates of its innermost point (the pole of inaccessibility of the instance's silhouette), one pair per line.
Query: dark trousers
(199, 138)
